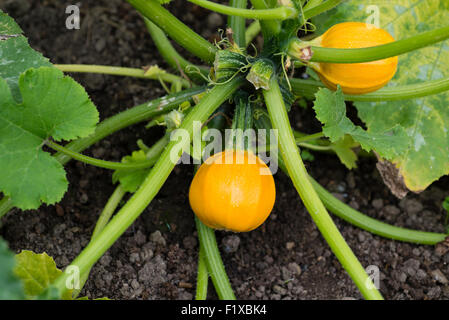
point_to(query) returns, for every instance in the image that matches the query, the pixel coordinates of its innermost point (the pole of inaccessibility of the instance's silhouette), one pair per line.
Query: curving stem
(176, 29)
(300, 178)
(151, 185)
(213, 260)
(356, 55)
(279, 13)
(308, 88)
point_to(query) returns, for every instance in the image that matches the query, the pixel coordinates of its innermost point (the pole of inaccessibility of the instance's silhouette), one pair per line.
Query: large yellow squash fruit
(356, 78)
(233, 190)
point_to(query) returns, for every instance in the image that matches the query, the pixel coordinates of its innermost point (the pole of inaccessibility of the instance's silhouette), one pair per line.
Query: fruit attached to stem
(356, 78)
(233, 190)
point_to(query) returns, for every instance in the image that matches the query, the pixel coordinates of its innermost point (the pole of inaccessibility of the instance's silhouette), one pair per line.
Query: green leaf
(53, 106)
(131, 179)
(426, 120)
(16, 55)
(445, 204)
(343, 149)
(8, 27)
(330, 109)
(10, 285)
(37, 272)
(306, 155)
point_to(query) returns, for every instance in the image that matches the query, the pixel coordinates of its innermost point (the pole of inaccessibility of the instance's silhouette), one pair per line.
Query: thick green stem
(214, 262)
(237, 24)
(115, 199)
(202, 279)
(115, 123)
(99, 162)
(314, 10)
(357, 218)
(171, 56)
(104, 218)
(151, 185)
(129, 117)
(298, 174)
(121, 71)
(337, 55)
(302, 137)
(279, 13)
(251, 32)
(311, 3)
(308, 88)
(367, 223)
(314, 147)
(176, 30)
(108, 210)
(270, 28)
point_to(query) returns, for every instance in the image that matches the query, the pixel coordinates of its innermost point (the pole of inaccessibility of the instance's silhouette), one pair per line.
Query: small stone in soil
(286, 274)
(295, 268)
(278, 289)
(135, 284)
(289, 245)
(377, 204)
(189, 242)
(439, 276)
(434, 292)
(184, 295)
(140, 238)
(421, 275)
(411, 266)
(391, 210)
(411, 206)
(230, 243)
(157, 238)
(134, 257)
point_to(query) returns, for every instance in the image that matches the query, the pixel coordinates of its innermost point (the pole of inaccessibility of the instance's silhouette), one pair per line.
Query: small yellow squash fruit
(233, 190)
(356, 78)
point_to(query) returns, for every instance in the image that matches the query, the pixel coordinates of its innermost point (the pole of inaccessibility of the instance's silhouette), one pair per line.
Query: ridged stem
(176, 29)
(395, 48)
(308, 88)
(214, 262)
(122, 71)
(150, 186)
(279, 13)
(115, 123)
(300, 178)
(238, 24)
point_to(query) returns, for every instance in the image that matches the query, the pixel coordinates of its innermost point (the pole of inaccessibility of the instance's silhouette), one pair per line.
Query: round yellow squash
(356, 78)
(233, 190)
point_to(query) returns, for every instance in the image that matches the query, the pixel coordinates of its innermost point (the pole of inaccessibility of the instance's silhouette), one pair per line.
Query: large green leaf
(8, 27)
(330, 109)
(426, 120)
(53, 106)
(37, 272)
(16, 55)
(10, 285)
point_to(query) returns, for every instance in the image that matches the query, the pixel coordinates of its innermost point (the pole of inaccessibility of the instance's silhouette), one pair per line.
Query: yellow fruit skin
(229, 192)
(356, 78)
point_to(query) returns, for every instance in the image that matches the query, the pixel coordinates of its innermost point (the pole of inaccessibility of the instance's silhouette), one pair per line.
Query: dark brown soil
(156, 258)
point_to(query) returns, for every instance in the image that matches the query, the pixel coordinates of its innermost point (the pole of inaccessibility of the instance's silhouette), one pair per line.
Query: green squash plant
(407, 122)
